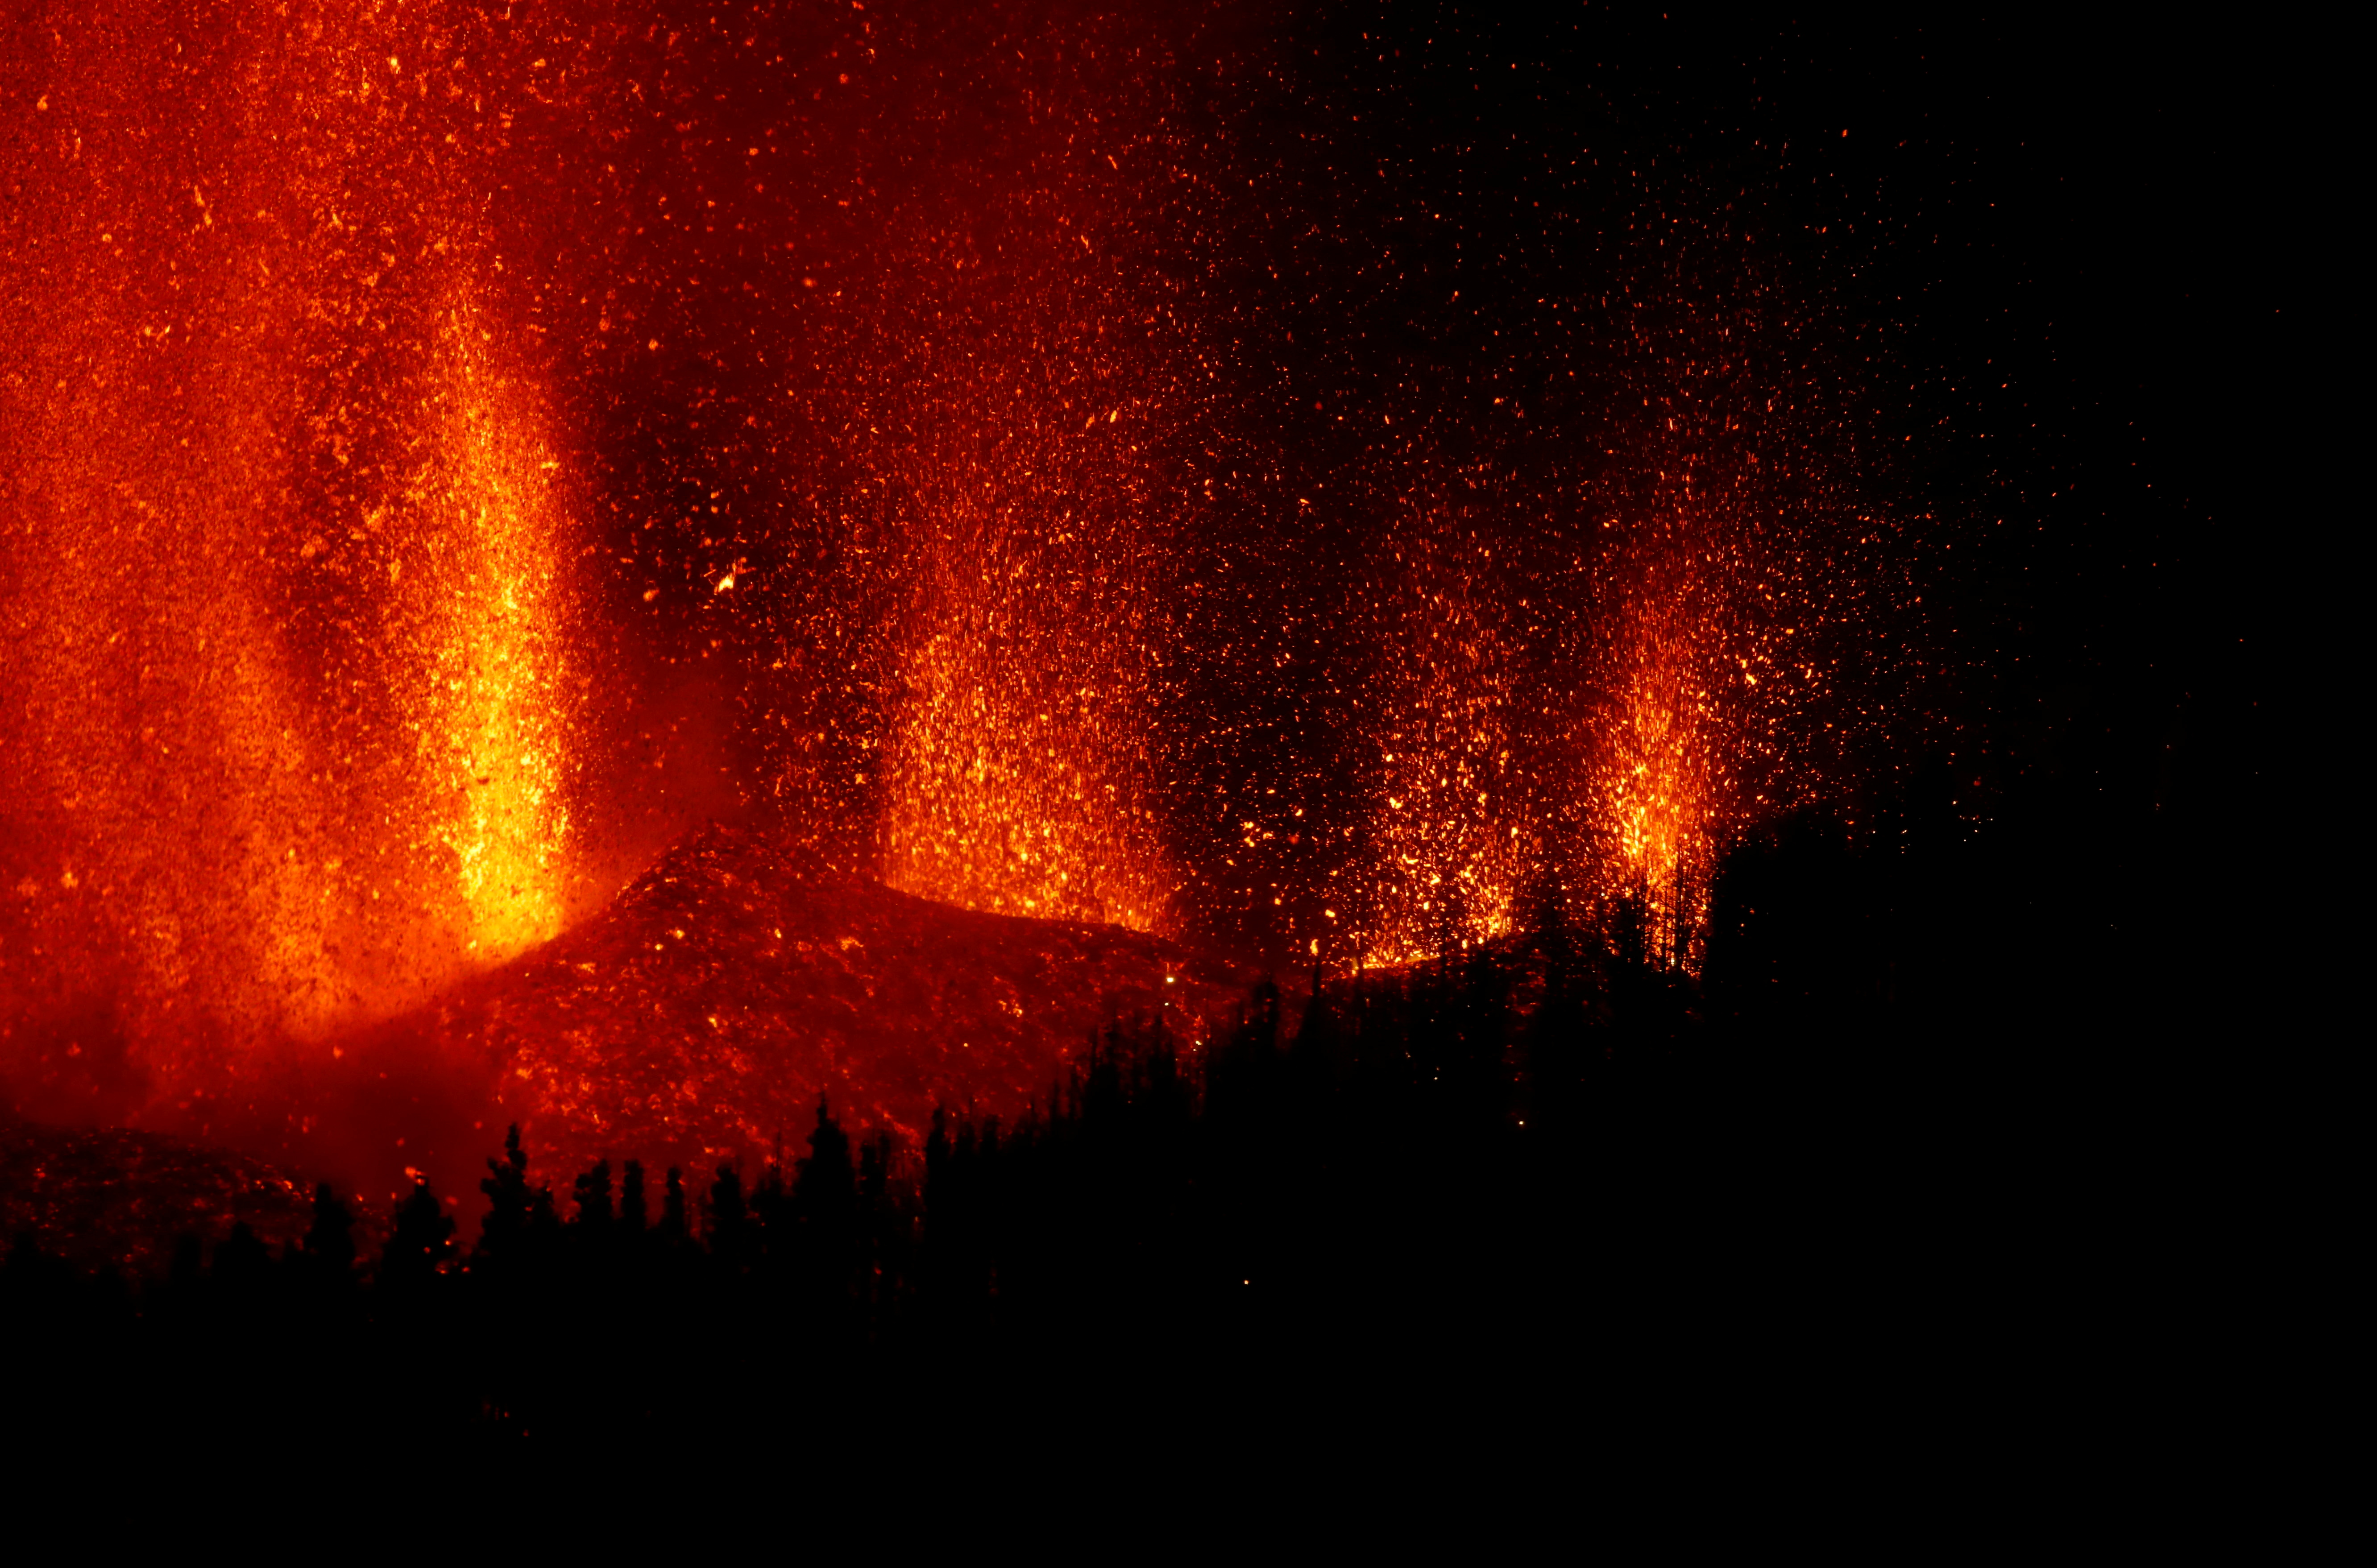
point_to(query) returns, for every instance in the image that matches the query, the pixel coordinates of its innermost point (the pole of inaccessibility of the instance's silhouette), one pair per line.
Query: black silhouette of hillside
(1547, 1175)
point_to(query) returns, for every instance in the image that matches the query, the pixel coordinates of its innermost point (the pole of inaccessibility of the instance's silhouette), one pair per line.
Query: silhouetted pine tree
(1554, 1045)
(882, 1257)
(503, 1234)
(825, 1209)
(544, 1226)
(1313, 1060)
(730, 1236)
(329, 1243)
(421, 1242)
(675, 1231)
(632, 1215)
(592, 1195)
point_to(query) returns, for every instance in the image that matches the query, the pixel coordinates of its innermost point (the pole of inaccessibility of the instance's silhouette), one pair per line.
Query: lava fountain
(1017, 773)
(287, 508)
(1076, 467)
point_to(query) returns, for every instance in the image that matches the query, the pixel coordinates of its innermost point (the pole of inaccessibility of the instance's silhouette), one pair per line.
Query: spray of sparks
(447, 455)
(1017, 774)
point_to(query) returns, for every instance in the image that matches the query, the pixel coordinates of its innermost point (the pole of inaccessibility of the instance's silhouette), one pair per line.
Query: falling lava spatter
(452, 455)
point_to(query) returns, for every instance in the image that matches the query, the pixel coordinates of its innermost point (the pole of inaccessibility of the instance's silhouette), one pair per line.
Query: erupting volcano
(1097, 507)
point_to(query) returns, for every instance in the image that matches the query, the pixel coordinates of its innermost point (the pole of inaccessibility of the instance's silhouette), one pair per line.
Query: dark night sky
(2082, 258)
(2071, 239)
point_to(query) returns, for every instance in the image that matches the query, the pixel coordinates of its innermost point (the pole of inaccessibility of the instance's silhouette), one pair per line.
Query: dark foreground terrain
(1880, 1156)
(111, 1197)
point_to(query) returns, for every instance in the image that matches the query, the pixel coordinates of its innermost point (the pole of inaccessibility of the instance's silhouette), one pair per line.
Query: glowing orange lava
(1018, 396)
(1453, 839)
(1052, 469)
(290, 558)
(494, 683)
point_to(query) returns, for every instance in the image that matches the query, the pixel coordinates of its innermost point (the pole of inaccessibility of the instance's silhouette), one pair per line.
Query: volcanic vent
(704, 1013)
(1060, 467)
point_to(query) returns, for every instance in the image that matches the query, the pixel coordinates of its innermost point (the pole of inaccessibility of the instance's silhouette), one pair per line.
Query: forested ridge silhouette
(1550, 1174)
